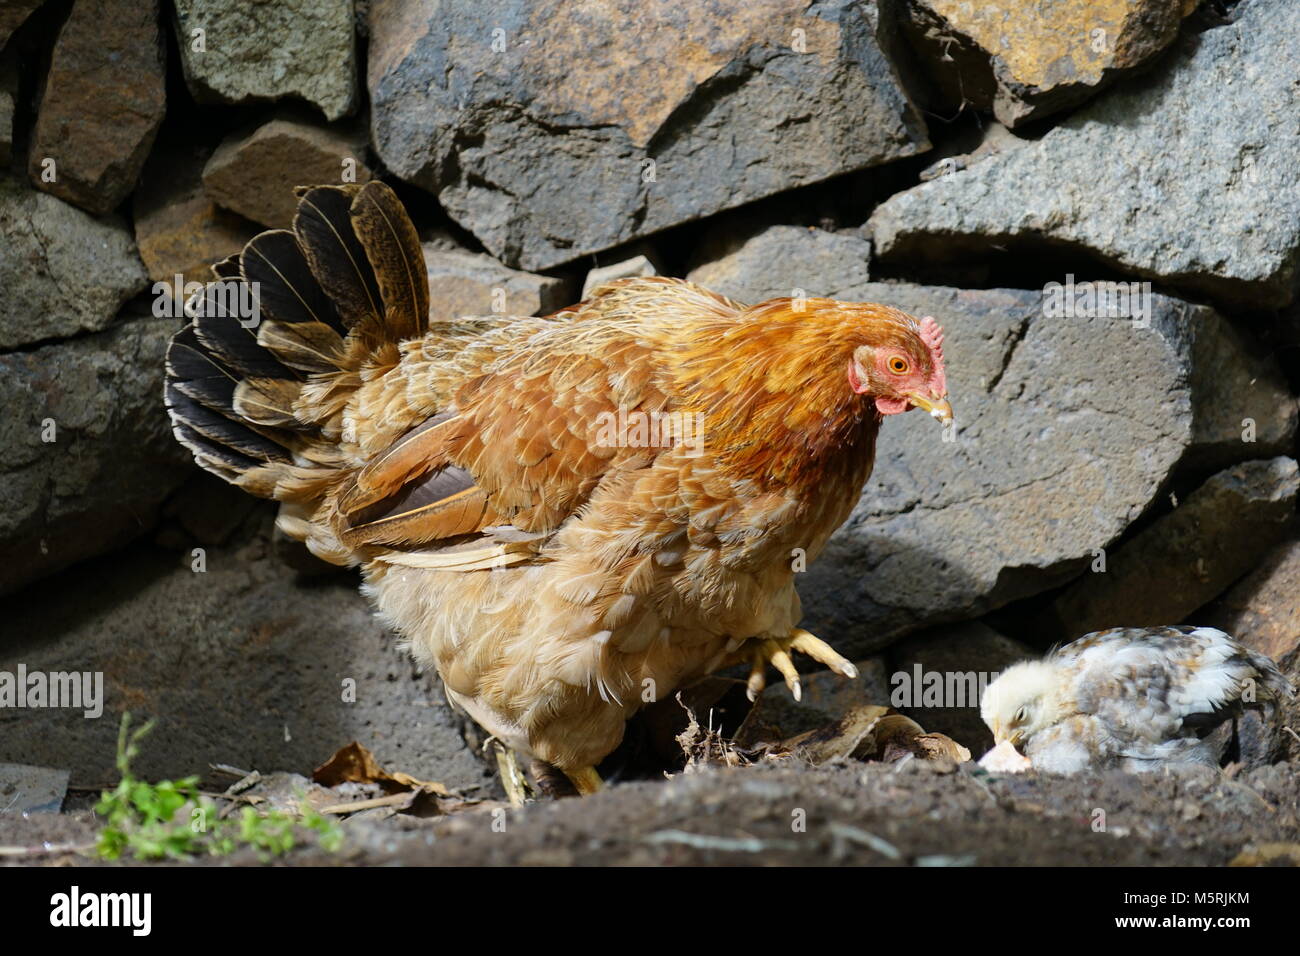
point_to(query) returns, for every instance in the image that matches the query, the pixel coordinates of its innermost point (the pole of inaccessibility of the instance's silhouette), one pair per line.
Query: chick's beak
(1014, 735)
(937, 407)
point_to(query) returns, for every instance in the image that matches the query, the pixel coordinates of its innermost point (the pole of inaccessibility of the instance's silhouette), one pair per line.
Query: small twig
(703, 841)
(23, 851)
(229, 771)
(851, 834)
(250, 798)
(244, 783)
(393, 800)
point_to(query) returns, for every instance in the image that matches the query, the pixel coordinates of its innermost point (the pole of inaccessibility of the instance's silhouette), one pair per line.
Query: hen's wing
(519, 442)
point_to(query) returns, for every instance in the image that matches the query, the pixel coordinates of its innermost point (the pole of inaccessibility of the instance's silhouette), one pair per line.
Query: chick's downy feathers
(1138, 698)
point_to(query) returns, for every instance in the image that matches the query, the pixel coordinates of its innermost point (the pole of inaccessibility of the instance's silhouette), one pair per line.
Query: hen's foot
(777, 651)
(584, 779)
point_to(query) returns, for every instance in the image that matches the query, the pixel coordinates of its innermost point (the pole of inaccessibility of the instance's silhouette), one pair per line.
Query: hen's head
(902, 367)
(1021, 702)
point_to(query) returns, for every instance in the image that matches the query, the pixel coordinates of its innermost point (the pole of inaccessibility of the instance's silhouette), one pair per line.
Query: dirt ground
(914, 813)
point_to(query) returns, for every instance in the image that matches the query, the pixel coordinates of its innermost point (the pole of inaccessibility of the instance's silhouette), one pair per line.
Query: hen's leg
(512, 778)
(551, 780)
(585, 779)
(776, 651)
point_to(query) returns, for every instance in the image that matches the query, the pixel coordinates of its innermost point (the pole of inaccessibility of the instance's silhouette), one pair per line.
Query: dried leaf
(703, 745)
(355, 764)
(843, 738)
(869, 732)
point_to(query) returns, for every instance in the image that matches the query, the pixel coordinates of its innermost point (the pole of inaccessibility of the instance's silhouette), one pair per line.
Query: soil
(915, 813)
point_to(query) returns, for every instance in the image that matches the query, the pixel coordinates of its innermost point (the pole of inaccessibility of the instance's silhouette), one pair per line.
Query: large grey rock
(1188, 556)
(1187, 175)
(256, 51)
(104, 99)
(62, 271)
(551, 130)
(111, 461)
(241, 664)
(470, 283)
(790, 261)
(1026, 60)
(1067, 429)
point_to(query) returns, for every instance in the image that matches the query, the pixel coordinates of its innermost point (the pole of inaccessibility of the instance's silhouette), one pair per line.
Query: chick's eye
(898, 365)
(1020, 716)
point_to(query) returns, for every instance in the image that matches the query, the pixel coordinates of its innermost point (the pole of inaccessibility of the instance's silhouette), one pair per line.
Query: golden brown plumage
(570, 515)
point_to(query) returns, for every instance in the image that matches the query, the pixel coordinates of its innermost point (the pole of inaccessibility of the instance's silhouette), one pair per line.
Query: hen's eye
(898, 365)
(1020, 716)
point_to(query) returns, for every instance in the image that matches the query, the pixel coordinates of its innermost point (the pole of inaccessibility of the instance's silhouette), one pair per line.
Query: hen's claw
(776, 651)
(820, 651)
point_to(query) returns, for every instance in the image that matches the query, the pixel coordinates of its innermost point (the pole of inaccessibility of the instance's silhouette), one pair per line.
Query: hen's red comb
(932, 336)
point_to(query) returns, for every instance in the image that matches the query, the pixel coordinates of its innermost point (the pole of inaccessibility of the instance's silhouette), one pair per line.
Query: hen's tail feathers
(258, 383)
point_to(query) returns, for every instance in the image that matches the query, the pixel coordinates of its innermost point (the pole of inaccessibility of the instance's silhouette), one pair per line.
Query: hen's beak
(937, 407)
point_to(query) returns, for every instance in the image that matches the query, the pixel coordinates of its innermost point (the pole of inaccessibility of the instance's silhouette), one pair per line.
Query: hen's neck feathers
(772, 387)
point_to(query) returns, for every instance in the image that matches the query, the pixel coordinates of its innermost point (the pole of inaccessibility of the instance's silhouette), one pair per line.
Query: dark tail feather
(311, 307)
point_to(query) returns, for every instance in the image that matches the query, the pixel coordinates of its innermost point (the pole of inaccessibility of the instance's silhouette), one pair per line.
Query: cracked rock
(253, 51)
(553, 130)
(790, 261)
(103, 101)
(1187, 175)
(62, 271)
(13, 13)
(1050, 459)
(1025, 60)
(86, 451)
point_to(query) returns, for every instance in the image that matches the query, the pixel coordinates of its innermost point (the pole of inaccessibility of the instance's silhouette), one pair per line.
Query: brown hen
(570, 516)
